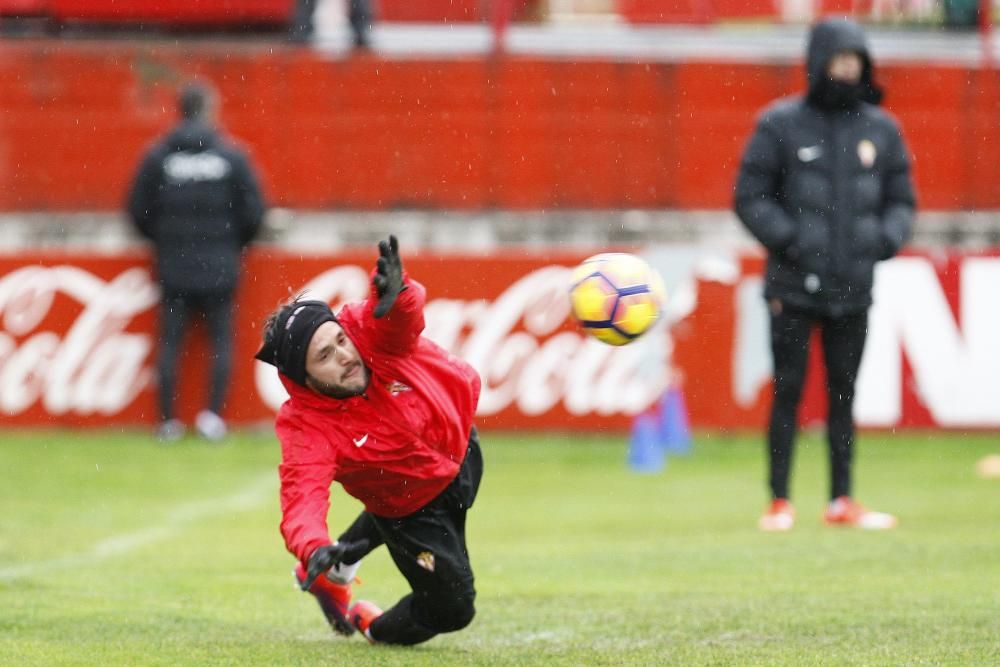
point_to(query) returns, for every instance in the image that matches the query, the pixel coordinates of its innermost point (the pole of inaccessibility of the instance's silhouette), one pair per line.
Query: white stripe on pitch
(251, 497)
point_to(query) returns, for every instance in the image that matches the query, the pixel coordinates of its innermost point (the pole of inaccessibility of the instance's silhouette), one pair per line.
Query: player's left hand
(388, 275)
(331, 555)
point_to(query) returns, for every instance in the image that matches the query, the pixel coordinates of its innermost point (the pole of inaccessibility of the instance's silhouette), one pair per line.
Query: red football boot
(362, 614)
(844, 511)
(333, 598)
(779, 517)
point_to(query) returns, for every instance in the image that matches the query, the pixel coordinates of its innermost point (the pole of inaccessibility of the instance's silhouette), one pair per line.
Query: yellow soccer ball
(616, 297)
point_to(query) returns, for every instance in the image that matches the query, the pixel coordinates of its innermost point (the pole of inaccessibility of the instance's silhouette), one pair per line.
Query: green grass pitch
(117, 551)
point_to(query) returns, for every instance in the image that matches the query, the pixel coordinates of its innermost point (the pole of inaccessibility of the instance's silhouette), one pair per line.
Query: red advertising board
(78, 339)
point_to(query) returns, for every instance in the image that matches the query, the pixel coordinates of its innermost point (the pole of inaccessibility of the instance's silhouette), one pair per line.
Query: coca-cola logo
(92, 367)
(528, 358)
(521, 348)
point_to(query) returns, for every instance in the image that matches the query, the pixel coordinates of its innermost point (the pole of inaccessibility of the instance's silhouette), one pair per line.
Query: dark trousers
(359, 15)
(429, 549)
(843, 341)
(176, 309)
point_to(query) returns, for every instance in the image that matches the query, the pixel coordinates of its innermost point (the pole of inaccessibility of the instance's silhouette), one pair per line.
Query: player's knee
(461, 615)
(454, 616)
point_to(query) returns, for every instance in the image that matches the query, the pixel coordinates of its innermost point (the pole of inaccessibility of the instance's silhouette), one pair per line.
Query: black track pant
(359, 15)
(175, 311)
(843, 342)
(429, 549)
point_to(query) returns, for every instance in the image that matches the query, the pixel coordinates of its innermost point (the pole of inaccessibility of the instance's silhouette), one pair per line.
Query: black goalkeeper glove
(388, 275)
(332, 555)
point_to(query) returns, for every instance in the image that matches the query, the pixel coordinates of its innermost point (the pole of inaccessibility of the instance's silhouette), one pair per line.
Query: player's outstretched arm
(396, 303)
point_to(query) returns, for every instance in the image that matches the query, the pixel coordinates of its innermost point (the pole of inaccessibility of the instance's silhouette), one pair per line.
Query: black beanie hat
(287, 342)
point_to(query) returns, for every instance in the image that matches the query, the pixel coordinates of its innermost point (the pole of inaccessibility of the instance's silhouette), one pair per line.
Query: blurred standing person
(196, 197)
(825, 186)
(359, 15)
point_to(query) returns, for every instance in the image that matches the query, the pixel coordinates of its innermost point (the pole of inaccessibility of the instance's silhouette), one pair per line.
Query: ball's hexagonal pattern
(616, 297)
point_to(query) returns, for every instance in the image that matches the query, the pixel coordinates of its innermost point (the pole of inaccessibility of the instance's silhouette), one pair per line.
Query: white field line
(251, 497)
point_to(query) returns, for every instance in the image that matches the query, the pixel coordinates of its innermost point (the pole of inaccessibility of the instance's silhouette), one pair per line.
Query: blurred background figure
(197, 198)
(359, 15)
(825, 186)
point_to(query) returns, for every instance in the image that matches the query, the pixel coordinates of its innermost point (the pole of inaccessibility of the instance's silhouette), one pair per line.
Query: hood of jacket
(192, 136)
(833, 36)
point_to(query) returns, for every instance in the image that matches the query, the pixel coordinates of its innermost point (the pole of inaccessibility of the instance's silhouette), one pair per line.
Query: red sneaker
(362, 614)
(843, 511)
(779, 517)
(333, 598)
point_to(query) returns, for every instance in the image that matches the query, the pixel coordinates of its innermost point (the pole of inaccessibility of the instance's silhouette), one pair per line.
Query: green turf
(117, 551)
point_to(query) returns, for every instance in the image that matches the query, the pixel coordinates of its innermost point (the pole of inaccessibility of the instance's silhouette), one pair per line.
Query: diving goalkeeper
(388, 414)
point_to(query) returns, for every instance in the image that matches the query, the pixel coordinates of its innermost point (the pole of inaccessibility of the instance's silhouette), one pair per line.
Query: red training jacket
(394, 448)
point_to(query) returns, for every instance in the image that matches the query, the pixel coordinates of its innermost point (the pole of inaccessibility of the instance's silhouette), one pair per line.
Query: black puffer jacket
(197, 198)
(826, 187)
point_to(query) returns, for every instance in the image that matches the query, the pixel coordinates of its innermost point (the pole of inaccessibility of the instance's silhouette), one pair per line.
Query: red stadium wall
(699, 11)
(508, 133)
(206, 12)
(174, 12)
(77, 341)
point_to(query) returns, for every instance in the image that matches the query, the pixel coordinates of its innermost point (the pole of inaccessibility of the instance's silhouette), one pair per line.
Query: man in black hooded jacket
(197, 198)
(825, 186)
